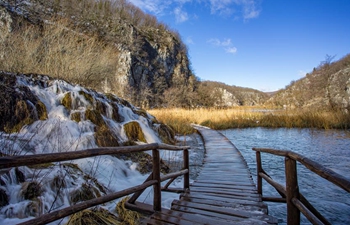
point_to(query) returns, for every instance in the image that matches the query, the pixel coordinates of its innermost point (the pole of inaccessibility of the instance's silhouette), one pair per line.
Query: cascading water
(28, 192)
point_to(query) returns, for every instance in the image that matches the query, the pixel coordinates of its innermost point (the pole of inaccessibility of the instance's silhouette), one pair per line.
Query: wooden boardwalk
(223, 193)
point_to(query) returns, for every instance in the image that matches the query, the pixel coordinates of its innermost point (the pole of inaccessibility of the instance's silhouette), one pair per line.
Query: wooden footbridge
(223, 193)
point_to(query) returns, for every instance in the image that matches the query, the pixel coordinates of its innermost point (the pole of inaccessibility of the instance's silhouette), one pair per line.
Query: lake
(331, 148)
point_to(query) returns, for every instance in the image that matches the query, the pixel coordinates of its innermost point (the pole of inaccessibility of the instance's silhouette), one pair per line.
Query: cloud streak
(226, 44)
(249, 9)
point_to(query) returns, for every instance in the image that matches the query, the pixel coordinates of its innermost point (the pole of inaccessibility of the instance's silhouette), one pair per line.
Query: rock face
(151, 58)
(327, 87)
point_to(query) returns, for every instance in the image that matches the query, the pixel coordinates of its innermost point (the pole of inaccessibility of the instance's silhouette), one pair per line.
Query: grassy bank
(180, 119)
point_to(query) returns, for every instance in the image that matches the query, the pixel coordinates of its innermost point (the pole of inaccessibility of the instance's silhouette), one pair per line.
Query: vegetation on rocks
(134, 132)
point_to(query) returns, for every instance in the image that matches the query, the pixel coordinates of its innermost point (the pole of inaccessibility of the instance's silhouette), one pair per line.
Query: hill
(326, 87)
(111, 46)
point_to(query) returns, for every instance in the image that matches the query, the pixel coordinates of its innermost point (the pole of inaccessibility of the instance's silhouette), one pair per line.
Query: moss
(134, 132)
(41, 110)
(58, 183)
(144, 162)
(125, 215)
(87, 96)
(42, 166)
(166, 134)
(115, 111)
(75, 116)
(93, 216)
(72, 166)
(95, 117)
(141, 112)
(67, 101)
(84, 193)
(31, 190)
(22, 117)
(105, 137)
(101, 107)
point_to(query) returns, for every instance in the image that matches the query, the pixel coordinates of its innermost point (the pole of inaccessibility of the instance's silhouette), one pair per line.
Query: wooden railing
(290, 194)
(154, 179)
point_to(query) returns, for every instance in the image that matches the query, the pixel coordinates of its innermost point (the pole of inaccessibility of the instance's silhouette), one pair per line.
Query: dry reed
(181, 119)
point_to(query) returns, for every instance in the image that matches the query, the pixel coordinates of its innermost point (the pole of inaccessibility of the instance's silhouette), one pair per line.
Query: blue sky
(261, 44)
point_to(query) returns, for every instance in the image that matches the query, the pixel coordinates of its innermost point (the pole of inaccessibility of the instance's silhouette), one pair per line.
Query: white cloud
(180, 15)
(226, 44)
(231, 50)
(249, 8)
(217, 42)
(153, 6)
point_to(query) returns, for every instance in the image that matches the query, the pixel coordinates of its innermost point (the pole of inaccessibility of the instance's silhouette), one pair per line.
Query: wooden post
(186, 166)
(292, 191)
(157, 198)
(258, 170)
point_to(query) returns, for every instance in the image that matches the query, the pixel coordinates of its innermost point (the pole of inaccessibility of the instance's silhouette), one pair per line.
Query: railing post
(292, 191)
(157, 198)
(186, 166)
(258, 170)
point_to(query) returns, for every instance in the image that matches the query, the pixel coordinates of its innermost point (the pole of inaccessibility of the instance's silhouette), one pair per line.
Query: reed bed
(241, 117)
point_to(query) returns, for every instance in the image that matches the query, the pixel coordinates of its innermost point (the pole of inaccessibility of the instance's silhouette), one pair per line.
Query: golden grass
(181, 119)
(55, 50)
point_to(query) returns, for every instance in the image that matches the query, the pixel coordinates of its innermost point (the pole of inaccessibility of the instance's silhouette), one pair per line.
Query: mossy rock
(67, 100)
(72, 166)
(84, 193)
(87, 96)
(166, 133)
(4, 199)
(41, 110)
(101, 108)
(141, 112)
(42, 166)
(31, 190)
(93, 216)
(19, 175)
(115, 110)
(134, 132)
(105, 137)
(125, 215)
(19, 102)
(75, 116)
(58, 183)
(95, 117)
(144, 162)
(100, 187)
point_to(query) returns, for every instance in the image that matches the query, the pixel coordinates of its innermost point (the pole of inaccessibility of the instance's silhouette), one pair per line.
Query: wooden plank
(222, 210)
(220, 217)
(212, 197)
(226, 192)
(223, 203)
(187, 218)
(250, 189)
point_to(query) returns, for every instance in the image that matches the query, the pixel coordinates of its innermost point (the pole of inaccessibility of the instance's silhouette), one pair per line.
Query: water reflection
(331, 148)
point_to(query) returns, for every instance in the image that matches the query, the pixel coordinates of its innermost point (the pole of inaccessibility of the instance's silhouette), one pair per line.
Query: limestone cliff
(150, 57)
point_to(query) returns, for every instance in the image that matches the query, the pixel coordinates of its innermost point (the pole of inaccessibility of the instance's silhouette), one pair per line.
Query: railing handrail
(290, 194)
(315, 167)
(154, 179)
(29, 160)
